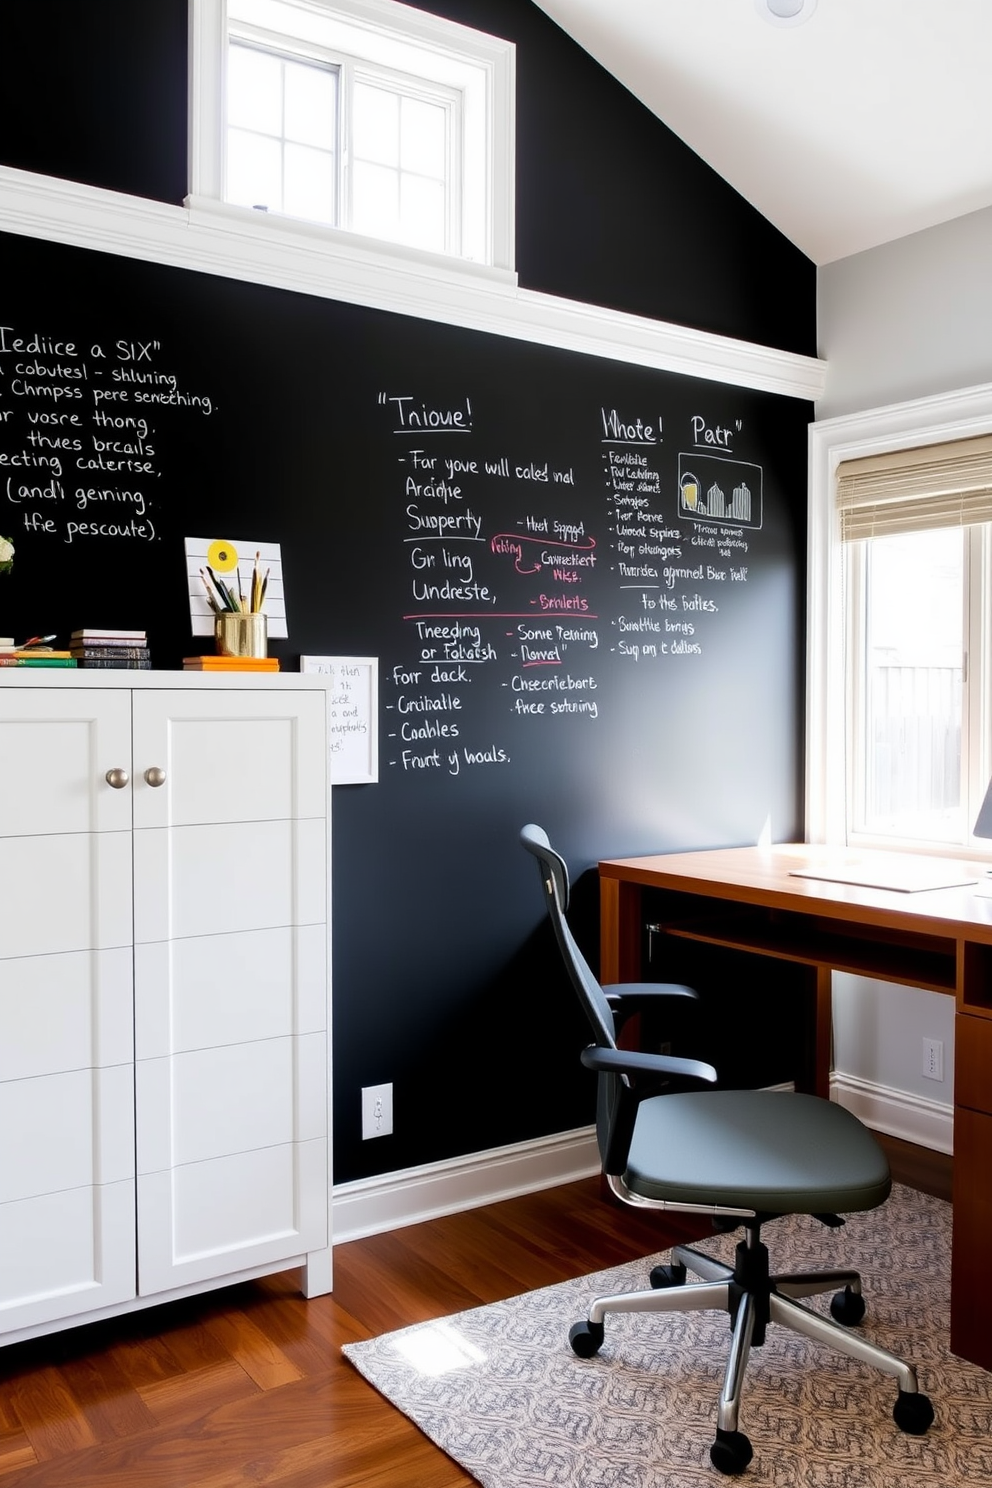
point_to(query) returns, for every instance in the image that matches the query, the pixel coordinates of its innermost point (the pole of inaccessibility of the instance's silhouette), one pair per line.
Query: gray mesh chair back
(554, 882)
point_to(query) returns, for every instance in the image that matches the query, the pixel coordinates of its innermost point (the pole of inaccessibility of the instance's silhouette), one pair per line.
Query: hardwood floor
(246, 1388)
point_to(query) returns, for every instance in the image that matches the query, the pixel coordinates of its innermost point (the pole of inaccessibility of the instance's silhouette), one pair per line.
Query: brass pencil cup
(241, 635)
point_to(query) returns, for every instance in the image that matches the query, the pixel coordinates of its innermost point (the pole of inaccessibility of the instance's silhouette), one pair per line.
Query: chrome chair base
(753, 1298)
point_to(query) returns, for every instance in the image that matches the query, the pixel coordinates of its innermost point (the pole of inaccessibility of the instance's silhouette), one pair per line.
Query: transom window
(362, 115)
(282, 134)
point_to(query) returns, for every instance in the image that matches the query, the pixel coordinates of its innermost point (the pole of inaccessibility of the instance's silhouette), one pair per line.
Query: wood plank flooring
(246, 1387)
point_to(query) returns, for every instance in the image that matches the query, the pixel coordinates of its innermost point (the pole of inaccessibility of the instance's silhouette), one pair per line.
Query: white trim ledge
(390, 1201)
(239, 244)
(897, 1113)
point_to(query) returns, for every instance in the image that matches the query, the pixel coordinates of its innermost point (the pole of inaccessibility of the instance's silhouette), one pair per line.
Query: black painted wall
(445, 982)
(612, 208)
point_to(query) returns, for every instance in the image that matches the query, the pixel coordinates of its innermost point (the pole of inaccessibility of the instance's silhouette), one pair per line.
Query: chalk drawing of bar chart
(714, 488)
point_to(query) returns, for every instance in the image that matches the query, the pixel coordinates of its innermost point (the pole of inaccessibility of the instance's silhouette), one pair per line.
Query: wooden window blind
(912, 490)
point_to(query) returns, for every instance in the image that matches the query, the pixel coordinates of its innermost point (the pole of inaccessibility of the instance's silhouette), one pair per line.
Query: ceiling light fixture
(785, 12)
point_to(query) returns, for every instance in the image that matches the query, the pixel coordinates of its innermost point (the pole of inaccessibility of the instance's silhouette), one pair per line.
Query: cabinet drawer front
(973, 1062)
(213, 1218)
(216, 1102)
(215, 880)
(64, 893)
(65, 1012)
(66, 1131)
(56, 747)
(66, 1253)
(212, 989)
(229, 757)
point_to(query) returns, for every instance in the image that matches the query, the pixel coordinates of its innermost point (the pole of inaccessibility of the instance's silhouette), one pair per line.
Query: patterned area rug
(499, 1389)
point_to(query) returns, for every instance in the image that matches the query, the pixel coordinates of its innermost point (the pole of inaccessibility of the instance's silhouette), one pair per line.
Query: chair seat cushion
(770, 1151)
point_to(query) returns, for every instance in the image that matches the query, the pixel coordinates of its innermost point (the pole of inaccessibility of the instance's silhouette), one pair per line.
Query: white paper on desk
(904, 876)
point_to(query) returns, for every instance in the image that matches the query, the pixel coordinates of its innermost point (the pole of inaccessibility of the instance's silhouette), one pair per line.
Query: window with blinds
(915, 525)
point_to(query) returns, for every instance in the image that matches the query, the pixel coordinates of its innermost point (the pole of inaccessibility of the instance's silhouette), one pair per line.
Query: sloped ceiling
(870, 120)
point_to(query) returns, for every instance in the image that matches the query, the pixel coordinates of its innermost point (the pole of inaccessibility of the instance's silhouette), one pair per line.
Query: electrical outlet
(933, 1059)
(377, 1111)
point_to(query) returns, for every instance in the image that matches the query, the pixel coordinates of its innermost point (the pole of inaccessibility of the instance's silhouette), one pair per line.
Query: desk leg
(971, 1299)
(619, 931)
(813, 1071)
(971, 1312)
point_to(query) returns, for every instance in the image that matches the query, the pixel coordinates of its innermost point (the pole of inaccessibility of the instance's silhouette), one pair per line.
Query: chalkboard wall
(565, 637)
(581, 579)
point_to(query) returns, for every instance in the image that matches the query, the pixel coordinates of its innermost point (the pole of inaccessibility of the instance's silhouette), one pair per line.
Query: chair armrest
(632, 1062)
(655, 1074)
(623, 993)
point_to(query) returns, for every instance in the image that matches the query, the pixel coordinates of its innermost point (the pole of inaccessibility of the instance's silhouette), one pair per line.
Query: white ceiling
(871, 120)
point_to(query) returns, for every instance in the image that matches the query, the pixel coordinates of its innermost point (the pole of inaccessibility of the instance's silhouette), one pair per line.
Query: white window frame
(951, 416)
(976, 575)
(383, 32)
(447, 99)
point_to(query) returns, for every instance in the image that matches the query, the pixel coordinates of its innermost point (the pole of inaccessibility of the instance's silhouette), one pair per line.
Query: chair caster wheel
(586, 1339)
(847, 1307)
(731, 1452)
(668, 1276)
(912, 1413)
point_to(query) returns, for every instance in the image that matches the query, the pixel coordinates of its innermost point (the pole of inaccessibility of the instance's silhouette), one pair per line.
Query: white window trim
(956, 415)
(497, 58)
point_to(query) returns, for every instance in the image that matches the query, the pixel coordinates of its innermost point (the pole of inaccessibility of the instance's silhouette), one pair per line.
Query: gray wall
(907, 320)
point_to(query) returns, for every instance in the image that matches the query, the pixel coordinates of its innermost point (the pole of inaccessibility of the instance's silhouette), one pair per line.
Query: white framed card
(352, 715)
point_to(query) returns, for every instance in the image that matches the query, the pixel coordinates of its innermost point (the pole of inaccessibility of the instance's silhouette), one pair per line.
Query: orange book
(231, 663)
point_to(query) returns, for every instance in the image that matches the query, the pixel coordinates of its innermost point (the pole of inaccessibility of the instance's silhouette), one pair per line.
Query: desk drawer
(973, 1063)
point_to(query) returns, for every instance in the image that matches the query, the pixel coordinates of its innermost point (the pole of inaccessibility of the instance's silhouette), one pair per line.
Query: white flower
(6, 554)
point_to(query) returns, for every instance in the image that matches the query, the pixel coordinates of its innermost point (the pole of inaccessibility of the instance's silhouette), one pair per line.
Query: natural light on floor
(438, 1348)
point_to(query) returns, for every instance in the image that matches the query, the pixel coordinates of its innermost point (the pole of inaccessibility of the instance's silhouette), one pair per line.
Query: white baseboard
(391, 1200)
(927, 1123)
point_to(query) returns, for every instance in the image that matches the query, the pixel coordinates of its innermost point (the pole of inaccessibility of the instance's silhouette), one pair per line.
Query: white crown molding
(239, 244)
(390, 1201)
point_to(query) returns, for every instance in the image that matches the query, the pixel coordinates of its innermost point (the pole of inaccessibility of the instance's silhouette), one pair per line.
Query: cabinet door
(231, 884)
(66, 1030)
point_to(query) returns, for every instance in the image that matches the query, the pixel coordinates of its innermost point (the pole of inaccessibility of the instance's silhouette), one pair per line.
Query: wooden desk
(748, 899)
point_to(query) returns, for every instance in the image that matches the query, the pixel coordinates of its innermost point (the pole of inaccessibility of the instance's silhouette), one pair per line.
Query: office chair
(743, 1157)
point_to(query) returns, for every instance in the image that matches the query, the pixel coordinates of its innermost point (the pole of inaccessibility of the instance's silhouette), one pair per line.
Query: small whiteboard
(352, 715)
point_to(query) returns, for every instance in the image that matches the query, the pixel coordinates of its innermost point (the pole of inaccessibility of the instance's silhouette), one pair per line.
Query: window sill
(269, 231)
(958, 852)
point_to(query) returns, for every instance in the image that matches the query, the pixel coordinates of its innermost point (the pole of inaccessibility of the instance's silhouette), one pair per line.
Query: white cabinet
(163, 990)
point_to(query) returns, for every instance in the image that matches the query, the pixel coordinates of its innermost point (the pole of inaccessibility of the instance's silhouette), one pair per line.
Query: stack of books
(111, 648)
(230, 663)
(34, 656)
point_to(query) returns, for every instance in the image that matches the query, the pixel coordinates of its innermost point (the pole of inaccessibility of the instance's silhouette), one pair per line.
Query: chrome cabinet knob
(117, 778)
(154, 776)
